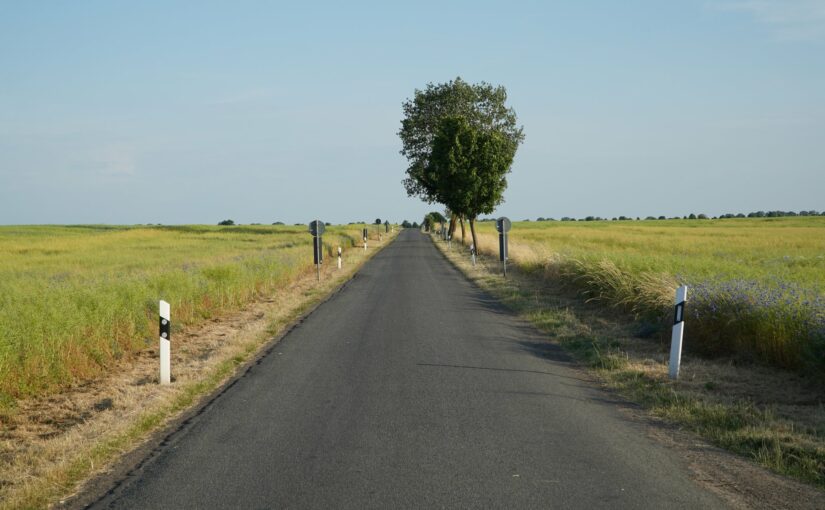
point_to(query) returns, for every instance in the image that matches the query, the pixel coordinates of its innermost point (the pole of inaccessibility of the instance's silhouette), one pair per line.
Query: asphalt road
(411, 388)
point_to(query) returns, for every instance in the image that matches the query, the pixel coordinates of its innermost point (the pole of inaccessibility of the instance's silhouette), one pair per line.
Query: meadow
(75, 300)
(756, 286)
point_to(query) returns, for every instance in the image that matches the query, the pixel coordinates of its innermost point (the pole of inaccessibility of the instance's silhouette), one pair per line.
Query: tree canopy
(468, 166)
(480, 105)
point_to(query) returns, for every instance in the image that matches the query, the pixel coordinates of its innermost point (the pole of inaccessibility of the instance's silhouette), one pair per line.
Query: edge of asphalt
(132, 462)
(741, 483)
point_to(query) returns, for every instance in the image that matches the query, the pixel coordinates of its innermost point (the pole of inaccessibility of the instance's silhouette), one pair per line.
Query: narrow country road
(411, 388)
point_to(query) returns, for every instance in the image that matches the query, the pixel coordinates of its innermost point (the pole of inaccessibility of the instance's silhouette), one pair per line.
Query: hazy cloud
(790, 20)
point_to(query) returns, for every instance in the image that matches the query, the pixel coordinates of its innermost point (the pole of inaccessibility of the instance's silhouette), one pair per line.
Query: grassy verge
(49, 469)
(772, 416)
(74, 301)
(756, 285)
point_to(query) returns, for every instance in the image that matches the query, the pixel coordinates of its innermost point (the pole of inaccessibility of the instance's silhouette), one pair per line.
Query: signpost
(503, 226)
(678, 332)
(316, 228)
(165, 343)
(386, 226)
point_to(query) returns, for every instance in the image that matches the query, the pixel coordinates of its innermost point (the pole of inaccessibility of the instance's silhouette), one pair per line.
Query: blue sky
(194, 112)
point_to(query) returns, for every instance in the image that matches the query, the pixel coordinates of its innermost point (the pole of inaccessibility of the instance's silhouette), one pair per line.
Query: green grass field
(73, 300)
(756, 285)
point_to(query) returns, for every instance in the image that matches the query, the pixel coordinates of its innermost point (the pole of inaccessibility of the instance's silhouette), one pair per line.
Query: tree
(467, 167)
(482, 105)
(431, 219)
(226, 222)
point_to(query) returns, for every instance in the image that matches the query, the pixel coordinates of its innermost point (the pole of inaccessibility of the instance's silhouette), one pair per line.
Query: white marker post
(365, 239)
(473, 253)
(165, 344)
(339, 257)
(678, 332)
(449, 242)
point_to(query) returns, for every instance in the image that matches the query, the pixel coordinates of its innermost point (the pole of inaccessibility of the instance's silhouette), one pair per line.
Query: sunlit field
(73, 300)
(756, 285)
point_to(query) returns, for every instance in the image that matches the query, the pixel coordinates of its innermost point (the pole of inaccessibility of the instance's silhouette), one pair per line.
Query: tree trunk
(453, 224)
(463, 236)
(473, 232)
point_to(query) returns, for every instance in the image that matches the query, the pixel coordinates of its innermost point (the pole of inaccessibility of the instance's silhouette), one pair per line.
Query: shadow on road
(468, 367)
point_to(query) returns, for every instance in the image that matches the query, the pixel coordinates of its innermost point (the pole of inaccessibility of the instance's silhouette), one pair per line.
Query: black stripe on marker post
(679, 313)
(165, 328)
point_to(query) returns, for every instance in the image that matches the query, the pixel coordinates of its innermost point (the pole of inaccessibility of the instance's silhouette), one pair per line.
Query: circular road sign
(316, 227)
(503, 224)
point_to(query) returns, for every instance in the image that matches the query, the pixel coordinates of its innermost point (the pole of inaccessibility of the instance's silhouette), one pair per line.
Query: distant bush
(226, 222)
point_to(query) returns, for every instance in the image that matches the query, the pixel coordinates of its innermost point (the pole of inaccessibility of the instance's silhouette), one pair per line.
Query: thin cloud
(788, 20)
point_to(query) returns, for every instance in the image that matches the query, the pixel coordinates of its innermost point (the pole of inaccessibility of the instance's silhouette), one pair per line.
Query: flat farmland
(74, 300)
(756, 285)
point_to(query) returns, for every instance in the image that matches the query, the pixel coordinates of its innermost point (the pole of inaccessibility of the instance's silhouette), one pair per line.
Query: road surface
(411, 388)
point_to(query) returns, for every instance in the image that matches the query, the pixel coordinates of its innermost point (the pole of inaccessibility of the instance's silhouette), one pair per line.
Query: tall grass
(74, 300)
(756, 284)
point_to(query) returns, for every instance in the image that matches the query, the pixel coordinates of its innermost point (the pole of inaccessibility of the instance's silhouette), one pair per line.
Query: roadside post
(339, 257)
(165, 344)
(366, 232)
(678, 332)
(316, 228)
(503, 226)
(449, 242)
(473, 253)
(386, 226)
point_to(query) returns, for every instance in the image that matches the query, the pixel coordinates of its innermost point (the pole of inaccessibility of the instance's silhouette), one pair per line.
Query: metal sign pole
(505, 254)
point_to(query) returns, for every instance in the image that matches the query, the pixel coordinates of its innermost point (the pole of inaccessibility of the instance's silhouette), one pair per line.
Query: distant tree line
(691, 216)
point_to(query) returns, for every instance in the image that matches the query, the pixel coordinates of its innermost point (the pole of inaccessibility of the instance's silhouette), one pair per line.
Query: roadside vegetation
(752, 372)
(757, 286)
(75, 300)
